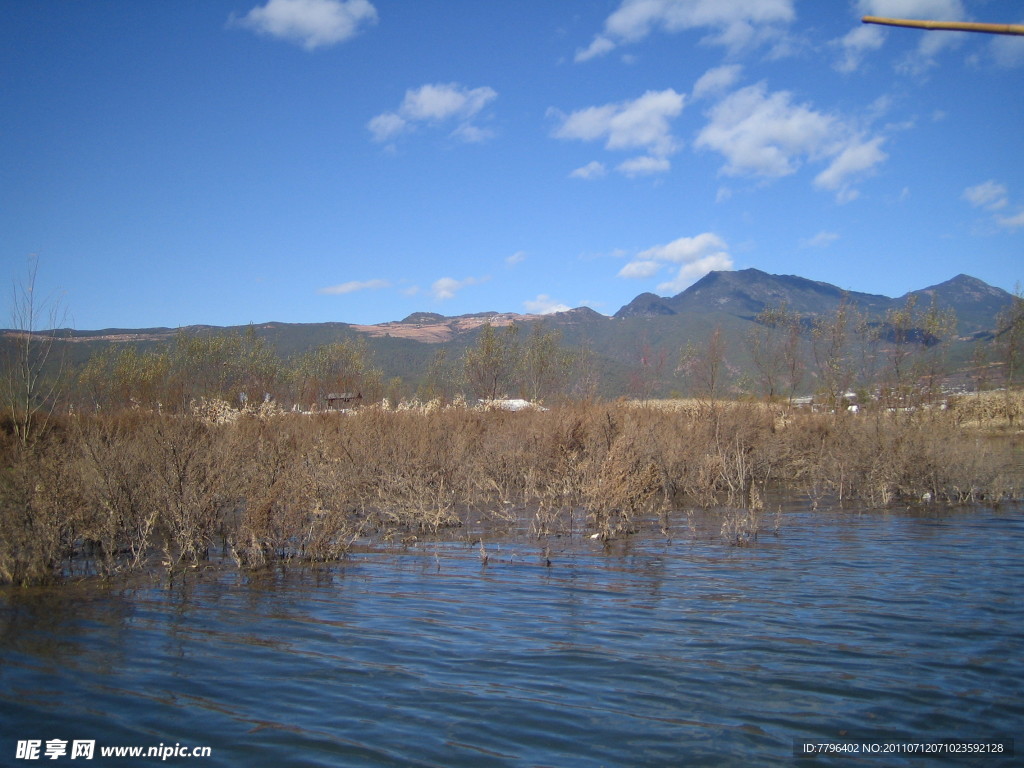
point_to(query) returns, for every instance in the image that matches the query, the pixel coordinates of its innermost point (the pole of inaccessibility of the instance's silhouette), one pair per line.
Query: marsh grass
(105, 494)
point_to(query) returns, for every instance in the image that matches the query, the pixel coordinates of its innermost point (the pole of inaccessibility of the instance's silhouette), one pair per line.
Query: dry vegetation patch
(103, 494)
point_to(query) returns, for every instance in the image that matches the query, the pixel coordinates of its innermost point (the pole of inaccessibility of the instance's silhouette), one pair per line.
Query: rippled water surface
(653, 651)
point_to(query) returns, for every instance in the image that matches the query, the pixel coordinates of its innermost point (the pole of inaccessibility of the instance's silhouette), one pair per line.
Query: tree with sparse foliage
(437, 381)
(545, 364)
(768, 343)
(491, 366)
(34, 368)
(830, 342)
(1009, 338)
(916, 343)
(648, 373)
(706, 366)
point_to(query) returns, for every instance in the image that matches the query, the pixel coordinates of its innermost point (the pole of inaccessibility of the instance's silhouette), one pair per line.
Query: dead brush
(103, 493)
(627, 485)
(882, 458)
(40, 512)
(409, 473)
(188, 485)
(740, 525)
(114, 475)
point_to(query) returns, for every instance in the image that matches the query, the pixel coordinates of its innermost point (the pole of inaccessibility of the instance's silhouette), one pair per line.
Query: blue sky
(236, 161)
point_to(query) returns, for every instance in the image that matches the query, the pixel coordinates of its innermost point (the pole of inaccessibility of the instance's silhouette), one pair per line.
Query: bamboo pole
(955, 26)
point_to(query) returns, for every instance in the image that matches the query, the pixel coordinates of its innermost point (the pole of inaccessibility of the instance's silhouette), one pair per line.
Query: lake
(848, 626)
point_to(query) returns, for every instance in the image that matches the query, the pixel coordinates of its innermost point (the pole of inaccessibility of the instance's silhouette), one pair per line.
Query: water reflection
(652, 651)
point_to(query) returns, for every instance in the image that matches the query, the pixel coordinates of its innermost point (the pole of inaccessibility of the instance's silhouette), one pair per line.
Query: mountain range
(728, 301)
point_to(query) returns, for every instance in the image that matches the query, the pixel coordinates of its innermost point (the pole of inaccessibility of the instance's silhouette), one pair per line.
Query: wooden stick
(955, 26)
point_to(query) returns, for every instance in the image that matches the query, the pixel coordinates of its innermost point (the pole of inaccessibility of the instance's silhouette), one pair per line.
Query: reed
(106, 494)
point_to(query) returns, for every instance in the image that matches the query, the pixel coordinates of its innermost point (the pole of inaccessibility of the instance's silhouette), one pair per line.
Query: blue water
(846, 626)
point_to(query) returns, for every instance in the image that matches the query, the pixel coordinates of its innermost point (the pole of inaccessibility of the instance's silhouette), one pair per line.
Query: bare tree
(33, 374)
(767, 342)
(706, 366)
(830, 344)
(647, 375)
(1009, 337)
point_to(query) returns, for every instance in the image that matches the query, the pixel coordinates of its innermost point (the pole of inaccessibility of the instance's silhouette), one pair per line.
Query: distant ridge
(746, 292)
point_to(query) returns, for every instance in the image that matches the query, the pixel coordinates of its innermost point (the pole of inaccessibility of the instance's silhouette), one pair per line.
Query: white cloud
(856, 160)
(685, 249)
(766, 134)
(690, 273)
(820, 240)
(473, 134)
(641, 269)
(545, 305)
(856, 44)
(440, 101)
(599, 47)
(643, 123)
(989, 194)
(436, 103)
(592, 170)
(644, 166)
(993, 196)
(717, 80)
(309, 23)
(355, 285)
(1011, 222)
(386, 126)
(447, 287)
(736, 24)
(696, 256)
(516, 258)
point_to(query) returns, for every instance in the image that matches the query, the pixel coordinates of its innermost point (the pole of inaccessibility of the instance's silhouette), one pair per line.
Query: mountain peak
(646, 305)
(965, 283)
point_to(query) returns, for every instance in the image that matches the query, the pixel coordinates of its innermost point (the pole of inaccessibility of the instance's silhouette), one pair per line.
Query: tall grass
(103, 494)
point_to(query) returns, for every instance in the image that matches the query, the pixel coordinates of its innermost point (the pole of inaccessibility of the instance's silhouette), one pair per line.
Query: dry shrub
(113, 471)
(284, 503)
(626, 485)
(188, 484)
(410, 472)
(989, 410)
(886, 457)
(39, 514)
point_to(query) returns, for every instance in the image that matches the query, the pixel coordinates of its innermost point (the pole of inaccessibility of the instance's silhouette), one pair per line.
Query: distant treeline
(901, 361)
